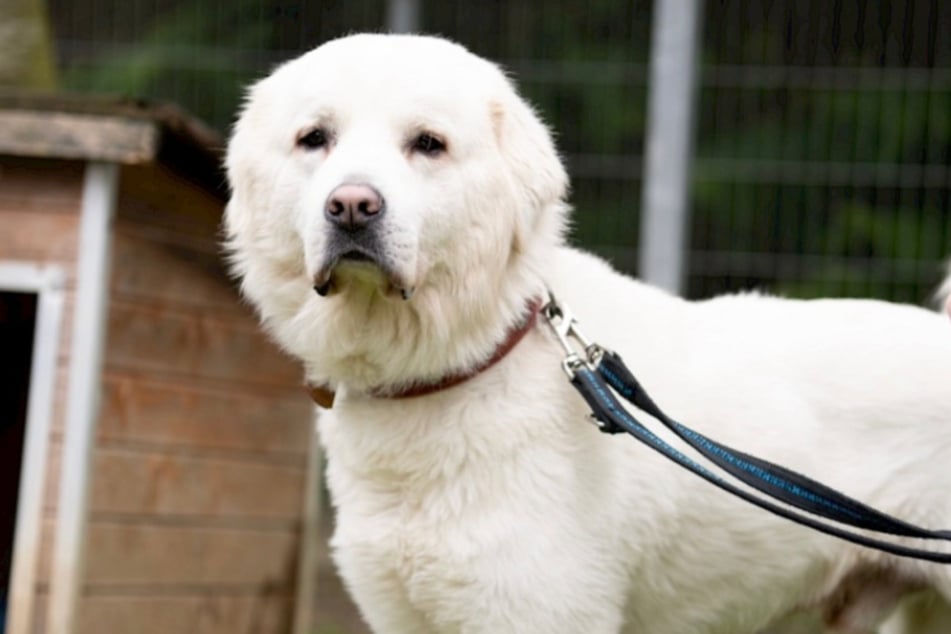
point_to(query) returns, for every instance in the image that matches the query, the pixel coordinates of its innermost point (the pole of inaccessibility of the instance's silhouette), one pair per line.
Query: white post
(665, 208)
(48, 283)
(403, 16)
(82, 401)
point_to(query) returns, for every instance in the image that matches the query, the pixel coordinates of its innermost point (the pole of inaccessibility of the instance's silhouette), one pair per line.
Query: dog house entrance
(17, 326)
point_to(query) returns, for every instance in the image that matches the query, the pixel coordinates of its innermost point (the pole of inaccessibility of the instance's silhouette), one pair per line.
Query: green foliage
(26, 46)
(860, 240)
(850, 179)
(185, 54)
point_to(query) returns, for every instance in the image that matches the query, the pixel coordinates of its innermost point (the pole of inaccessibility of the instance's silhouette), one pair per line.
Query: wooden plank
(154, 555)
(194, 343)
(77, 136)
(40, 185)
(310, 525)
(267, 612)
(264, 611)
(53, 472)
(154, 197)
(176, 414)
(146, 269)
(188, 489)
(51, 483)
(199, 415)
(46, 237)
(62, 386)
(152, 483)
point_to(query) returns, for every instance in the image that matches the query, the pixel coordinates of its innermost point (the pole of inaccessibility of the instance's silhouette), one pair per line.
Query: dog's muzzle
(353, 212)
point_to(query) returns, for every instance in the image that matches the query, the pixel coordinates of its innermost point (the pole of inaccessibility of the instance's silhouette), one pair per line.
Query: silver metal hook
(563, 323)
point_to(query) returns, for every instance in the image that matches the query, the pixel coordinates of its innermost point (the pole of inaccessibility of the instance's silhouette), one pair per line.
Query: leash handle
(600, 370)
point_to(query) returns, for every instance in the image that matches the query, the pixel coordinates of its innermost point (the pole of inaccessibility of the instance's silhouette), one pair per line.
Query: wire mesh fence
(823, 128)
(823, 154)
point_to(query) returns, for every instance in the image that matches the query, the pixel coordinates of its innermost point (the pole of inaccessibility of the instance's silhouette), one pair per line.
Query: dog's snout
(353, 206)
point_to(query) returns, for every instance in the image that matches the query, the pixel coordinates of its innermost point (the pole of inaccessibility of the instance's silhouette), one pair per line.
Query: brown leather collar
(325, 397)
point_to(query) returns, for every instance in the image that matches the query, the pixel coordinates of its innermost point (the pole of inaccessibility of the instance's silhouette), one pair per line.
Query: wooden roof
(112, 129)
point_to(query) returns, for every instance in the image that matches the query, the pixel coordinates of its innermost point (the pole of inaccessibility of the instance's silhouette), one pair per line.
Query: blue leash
(600, 371)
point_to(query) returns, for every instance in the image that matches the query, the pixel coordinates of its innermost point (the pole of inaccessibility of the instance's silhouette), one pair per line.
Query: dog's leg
(382, 601)
(526, 583)
(864, 599)
(923, 613)
(385, 607)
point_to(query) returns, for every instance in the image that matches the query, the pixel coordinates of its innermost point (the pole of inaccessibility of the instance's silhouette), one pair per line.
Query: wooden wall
(202, 448)
(39, 220)
(201, 453)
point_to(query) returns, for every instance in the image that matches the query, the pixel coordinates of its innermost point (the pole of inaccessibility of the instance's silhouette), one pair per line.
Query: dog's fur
(495, 506)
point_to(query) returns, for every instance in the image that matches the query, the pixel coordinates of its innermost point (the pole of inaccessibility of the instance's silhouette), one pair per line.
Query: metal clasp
(565, 327)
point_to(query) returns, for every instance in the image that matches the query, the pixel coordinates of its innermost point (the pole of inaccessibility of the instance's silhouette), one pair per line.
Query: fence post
(669, 144)
(403, 16)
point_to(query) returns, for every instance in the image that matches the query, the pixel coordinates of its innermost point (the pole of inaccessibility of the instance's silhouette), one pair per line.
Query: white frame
(97, 210)
(48, 283)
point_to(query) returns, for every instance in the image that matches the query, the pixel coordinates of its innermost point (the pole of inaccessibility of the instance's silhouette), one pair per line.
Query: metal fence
(822, 129)
(824, 148)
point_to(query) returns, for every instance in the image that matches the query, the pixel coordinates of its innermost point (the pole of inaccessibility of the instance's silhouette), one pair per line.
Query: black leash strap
(599, 371)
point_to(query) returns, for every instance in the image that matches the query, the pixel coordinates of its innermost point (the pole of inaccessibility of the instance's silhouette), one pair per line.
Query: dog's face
(370, 150)
(388, 167)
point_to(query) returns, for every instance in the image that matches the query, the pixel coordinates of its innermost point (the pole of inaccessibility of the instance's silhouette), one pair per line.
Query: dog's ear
(253, 162)
(529, 153)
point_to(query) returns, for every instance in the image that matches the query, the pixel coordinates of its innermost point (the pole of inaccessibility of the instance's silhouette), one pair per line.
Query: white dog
(404, 180)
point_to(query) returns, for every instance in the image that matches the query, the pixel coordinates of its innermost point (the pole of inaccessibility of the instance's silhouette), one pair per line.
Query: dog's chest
(420, 547)
(416, 506)
(480, 512)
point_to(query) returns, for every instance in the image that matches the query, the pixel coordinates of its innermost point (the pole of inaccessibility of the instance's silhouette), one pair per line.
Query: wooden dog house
(156, 448)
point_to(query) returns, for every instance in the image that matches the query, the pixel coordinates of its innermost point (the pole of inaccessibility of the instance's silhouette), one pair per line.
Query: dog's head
(383, 170)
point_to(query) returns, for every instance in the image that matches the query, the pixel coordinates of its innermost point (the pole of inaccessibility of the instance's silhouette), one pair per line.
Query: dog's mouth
(357, 256)
(356, 264)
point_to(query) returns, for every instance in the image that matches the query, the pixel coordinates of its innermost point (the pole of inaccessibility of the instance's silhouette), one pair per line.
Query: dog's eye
(313, 140)
(428, 144)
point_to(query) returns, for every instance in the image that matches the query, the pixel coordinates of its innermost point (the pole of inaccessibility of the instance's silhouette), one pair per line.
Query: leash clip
(563, 323)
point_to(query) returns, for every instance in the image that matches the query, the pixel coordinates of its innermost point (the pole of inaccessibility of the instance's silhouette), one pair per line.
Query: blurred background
(823, 128)
(816, 157)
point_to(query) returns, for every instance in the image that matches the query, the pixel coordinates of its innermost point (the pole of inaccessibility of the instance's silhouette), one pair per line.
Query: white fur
(495, 506)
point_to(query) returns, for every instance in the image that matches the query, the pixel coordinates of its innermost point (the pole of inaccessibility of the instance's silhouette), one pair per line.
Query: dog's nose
(353, 206)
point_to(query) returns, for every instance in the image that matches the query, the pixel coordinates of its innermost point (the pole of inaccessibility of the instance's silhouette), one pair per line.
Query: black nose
(352, 206)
